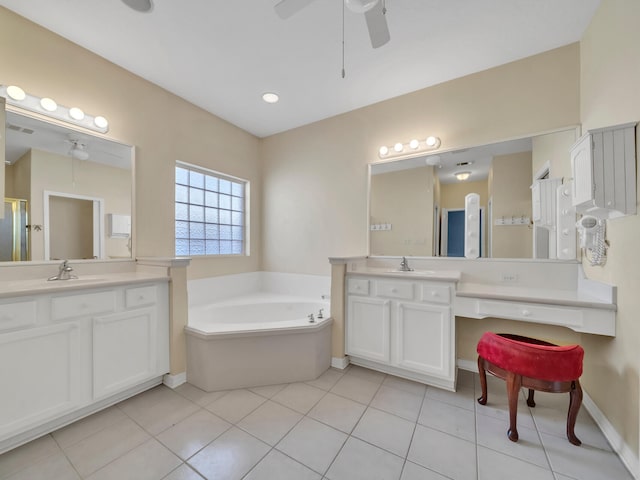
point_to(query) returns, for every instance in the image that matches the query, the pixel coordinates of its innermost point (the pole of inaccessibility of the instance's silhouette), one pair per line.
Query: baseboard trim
(626, 454)
(467, 365)
(340, 362)
(173, 381)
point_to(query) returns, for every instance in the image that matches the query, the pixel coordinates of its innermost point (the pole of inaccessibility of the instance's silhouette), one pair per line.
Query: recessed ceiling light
(270, 97)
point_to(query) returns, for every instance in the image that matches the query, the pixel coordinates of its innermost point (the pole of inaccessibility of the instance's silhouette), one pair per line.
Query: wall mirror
(68, 194)
(416, 205)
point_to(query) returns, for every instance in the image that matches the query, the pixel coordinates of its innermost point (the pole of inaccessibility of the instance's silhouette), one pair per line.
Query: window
(210, 212)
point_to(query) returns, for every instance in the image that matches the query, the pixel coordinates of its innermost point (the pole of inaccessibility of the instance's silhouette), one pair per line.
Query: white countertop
(13, 288)
(441, 275)
(531, 295)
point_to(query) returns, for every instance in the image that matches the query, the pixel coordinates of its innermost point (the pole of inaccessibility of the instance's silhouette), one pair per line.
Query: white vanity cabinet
(66, 354)
(404, 327)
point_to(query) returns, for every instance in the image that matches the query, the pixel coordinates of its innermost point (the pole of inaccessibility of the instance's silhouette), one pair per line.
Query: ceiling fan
(374, 14)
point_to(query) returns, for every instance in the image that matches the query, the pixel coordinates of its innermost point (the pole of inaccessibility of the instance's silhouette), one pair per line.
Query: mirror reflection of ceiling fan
(374, 14)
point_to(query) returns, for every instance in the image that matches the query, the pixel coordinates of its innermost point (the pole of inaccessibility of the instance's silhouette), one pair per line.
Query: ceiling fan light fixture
(360, 6)
(139, 5)
(78, 150)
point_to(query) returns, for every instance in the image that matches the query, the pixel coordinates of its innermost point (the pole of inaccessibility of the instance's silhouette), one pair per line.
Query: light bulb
(433, 141)
(16, 93)
(100, 122)
(414, 143)
(398, 147)
(383, 151)
(48, 104)
(76, 113)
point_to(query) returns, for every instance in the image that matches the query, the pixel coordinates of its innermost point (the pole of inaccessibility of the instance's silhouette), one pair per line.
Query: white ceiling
(222, 55)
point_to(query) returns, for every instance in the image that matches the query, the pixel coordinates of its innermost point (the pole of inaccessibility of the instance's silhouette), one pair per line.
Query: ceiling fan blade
(287, 8)
(377, 25)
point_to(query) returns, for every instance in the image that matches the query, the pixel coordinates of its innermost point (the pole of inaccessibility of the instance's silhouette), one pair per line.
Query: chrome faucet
(404, 266)
(320, 314)
(64, 272)
(311, 319)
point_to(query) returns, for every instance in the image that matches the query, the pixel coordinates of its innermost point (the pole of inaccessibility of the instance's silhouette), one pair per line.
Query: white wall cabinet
(64, 355)
(603, 163)
(402, 327)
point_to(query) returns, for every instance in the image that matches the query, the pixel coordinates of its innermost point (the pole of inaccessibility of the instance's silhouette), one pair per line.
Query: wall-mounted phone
(592, 233)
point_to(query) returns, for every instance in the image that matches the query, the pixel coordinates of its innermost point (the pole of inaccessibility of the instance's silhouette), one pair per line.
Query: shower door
(14, 233)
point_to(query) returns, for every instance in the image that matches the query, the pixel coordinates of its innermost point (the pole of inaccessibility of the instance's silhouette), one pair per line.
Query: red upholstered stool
(533, 364)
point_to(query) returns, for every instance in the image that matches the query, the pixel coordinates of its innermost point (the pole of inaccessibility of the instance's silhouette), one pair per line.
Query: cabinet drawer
(82, 305)
(17, 314)
(436, 293)
(140, 296)
(395, 290)
(358, 286)
(530, 312)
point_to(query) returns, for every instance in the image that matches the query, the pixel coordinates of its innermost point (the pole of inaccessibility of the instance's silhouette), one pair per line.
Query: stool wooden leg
(530, 400)
(513, 390)
(575, 400)
(483, 381)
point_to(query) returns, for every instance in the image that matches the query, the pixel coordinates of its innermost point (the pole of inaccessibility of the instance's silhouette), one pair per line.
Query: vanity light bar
(46, 106)
(412, 147)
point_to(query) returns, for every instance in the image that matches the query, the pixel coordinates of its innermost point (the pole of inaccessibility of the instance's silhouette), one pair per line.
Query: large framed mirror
(416, 205)
(68, 194)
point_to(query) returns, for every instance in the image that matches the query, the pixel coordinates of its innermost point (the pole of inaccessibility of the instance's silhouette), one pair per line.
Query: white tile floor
(345, 425)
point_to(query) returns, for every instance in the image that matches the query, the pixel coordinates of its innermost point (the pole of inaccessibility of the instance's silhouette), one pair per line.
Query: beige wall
(315, 177)
(163, 127)
(553, 148)
(610, 95)
(404, 199)
(452, 194)
(511, 196)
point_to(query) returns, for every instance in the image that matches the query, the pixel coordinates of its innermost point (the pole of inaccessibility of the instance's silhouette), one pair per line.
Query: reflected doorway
(452, 241)
(73, 226)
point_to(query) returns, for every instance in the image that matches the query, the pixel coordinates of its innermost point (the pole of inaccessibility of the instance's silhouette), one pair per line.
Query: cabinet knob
(141, 297)
(434, 293)
(84, 306)
(526, 313)
(394, 290)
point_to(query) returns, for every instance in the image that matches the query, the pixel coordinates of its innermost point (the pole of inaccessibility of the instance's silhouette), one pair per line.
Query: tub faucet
(64, 272)
(320, 315)
(311, 319)
(404, 266)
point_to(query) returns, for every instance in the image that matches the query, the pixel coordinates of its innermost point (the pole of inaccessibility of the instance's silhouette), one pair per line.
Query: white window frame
(245, 212)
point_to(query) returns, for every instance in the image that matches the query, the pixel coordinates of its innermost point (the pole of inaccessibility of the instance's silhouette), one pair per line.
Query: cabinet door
(124, 350)
(423, 335)
(39, 374)
(368, 328)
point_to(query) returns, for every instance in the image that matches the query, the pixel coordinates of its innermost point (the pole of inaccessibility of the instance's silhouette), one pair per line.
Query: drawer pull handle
(526, 313)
